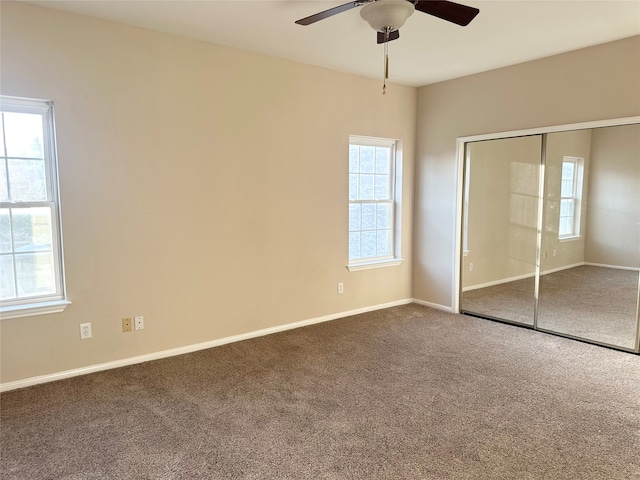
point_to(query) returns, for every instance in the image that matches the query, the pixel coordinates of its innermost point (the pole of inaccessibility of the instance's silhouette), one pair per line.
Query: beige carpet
(591, 302)
(512, 301)
(594, 303)
(402, 393)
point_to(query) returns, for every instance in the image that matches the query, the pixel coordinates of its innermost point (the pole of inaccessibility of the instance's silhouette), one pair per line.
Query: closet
(549, 231)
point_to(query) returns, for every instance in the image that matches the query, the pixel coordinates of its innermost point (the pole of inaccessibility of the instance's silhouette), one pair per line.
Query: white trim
(458, 234)
(365, 141)
(28, 382)
(613, 122)
(571, 238)
(29, 309)
(377, 264)
(521, 277)
(436, 306)
(564, 267)
(498, 282)
(616, 267)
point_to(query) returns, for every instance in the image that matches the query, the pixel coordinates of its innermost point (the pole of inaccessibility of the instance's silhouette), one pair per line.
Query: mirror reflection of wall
(586, 242)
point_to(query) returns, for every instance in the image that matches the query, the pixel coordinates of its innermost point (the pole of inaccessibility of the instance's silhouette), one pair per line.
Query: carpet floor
(401, 393)
(590, 302)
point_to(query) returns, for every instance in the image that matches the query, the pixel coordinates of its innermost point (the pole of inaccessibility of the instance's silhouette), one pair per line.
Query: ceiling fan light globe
(387, 15)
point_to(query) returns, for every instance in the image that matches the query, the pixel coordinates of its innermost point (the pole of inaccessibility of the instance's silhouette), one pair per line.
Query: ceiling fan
(387, 16)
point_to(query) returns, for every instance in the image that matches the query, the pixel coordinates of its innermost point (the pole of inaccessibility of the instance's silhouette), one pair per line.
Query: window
(373, 205)
(570, 196)
(31, 273)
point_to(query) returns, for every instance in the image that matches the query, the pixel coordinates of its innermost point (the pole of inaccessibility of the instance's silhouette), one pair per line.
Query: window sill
(375, 264)
(30, 309)
(572, 238)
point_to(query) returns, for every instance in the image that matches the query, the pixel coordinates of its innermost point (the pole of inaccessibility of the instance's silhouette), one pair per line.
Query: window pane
(567, 189)
(383, 160)
(4, 192)
(368, 244)
(565, 226)
(384, 242)
(354, 245)
(32, 229)
(7, 285)
(366, 159)
(567, 207)
(5, 231)
(35, 274)
(23, 135)
(353, 187)
(366, 187)
(567, 171)
(354, 217)
(353, 159)
(382, 191)
(570, 208)
(27, 180)
(368, 216)
(383, 215)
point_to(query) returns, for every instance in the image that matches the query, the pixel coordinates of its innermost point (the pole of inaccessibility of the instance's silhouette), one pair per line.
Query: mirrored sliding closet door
(550, 234)
(591, 235)
(500, 235)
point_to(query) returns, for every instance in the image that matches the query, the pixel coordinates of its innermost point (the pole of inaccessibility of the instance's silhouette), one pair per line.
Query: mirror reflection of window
(570, 197)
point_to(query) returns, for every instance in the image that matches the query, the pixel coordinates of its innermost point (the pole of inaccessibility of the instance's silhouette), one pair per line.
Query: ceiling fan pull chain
(386, 61)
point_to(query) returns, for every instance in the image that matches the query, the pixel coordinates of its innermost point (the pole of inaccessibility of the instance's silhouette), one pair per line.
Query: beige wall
(202, 187)
(558, 253)
(613, 221)
(594, 83)
(503, 210)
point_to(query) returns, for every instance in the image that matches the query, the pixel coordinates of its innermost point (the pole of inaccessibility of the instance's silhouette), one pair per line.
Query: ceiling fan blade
(392, 36)
(327, 13)
(449, 11)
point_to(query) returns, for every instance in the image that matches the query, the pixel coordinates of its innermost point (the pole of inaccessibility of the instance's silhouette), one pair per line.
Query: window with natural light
(31, 271)
(373, 205)
(570, 196)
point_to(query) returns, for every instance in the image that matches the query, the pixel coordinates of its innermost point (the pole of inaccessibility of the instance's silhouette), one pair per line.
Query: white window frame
(56, 301)
(575, 198)
(395, 195)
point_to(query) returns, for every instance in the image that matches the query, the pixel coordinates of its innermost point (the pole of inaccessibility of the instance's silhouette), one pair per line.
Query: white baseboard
(564, 267)
(436, 306)
(52, 377)
(617, 267)
(529, 275)
(498, 282)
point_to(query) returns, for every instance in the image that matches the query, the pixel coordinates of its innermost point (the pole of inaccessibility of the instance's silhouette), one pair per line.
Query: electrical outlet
(138, 322)
(85, 331)
(471, 266)
(126, 324)
(340, 287)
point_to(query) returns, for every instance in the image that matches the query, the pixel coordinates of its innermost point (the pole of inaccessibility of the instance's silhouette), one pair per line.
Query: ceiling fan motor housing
(387, 15)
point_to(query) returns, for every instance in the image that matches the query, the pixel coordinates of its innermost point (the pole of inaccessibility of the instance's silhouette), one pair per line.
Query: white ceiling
(429, 49)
